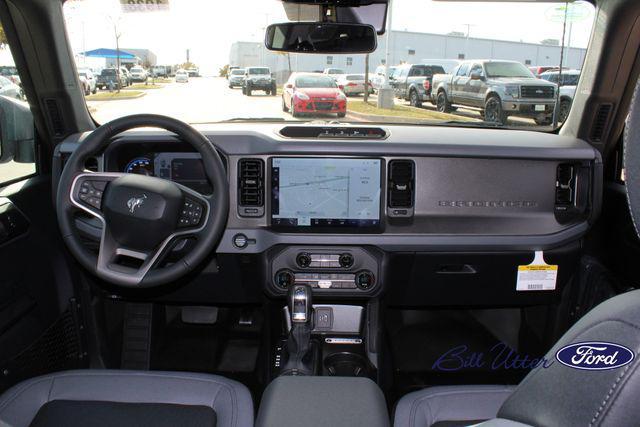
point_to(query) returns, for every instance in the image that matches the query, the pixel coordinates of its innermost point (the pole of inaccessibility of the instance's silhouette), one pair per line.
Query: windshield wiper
(471, 124)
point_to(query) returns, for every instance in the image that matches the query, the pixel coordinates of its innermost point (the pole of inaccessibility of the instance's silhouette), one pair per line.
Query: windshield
(210, 42)
(315, 82)
(507, 69)
(258, 71)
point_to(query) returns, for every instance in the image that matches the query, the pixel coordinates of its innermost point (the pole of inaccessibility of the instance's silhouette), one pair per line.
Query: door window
(17, 131)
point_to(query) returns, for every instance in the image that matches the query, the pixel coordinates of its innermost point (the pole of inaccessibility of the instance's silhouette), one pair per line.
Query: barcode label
(537, 276)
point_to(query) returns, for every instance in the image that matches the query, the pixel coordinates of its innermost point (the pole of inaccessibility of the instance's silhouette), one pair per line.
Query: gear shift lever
(300, 301)
(299, 357)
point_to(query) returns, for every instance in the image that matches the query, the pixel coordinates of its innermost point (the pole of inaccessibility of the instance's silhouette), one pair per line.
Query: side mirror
(341, 87)
(476, 76)
(17, 138)
(288, 86)
(321, 37)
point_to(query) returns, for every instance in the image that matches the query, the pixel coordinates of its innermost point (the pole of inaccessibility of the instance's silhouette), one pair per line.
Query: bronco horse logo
(135, 202)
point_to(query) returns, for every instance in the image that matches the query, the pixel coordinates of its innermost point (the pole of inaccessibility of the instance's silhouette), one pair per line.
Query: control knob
(284, 279)
(364, 280)
(346, 260)
(303, 259)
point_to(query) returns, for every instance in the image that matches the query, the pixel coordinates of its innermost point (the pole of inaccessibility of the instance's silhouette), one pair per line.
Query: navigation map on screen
(325, 192)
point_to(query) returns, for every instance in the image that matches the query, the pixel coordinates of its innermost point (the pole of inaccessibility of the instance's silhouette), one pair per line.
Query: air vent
(600, 122)
(251, 187)
(400, 185)
(55, 118)
(565, 185)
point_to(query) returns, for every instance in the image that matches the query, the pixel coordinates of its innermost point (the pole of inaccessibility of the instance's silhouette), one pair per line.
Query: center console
(337, 271)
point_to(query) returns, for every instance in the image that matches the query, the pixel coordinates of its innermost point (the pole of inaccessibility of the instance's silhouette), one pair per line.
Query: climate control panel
(344, 270)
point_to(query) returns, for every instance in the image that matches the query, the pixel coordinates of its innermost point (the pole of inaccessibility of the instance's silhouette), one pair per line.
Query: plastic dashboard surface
(475, 189)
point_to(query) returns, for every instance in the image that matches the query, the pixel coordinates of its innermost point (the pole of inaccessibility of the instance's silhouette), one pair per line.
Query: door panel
(35, 286)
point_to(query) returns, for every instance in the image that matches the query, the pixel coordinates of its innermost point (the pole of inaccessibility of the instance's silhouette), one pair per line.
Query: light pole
(117, 34)
(385, 93)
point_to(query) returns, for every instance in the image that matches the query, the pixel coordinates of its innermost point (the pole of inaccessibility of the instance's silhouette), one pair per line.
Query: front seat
(450, 406)
(102, 398)
(556, 395)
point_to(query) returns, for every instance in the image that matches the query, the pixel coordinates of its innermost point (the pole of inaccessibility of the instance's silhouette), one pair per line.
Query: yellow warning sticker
(537, 276)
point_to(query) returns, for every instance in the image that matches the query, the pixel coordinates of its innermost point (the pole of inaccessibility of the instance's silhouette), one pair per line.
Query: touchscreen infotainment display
(325, 192)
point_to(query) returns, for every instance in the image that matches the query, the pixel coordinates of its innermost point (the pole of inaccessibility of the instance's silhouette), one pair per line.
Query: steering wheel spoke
(87, 191)
(194, 211)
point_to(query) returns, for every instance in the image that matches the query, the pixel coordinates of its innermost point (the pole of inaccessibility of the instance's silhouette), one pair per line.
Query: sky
(209, 27)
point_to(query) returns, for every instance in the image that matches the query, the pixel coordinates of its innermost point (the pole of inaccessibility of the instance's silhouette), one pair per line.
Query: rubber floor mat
(239, 356)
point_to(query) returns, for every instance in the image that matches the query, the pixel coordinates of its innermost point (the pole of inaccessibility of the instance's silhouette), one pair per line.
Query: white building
(408, 47)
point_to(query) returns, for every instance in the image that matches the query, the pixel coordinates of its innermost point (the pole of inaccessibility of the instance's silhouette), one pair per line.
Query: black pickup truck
(412, 82)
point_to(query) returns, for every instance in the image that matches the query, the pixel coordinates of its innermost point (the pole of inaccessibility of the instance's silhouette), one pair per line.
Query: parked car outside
(159, 71)
(125, 76)
(498, 89)
(312, 93)
(568, 84)
(138, 74)
(182, 76)
(236, 76)
(352, 84)
(334, 72)
(10, 72)
(258, 78)
(193, 72)
(538, 70)
(108, 78)
(412, 82)
(10, 89)
(90, 78)
(84, 84)
(447, 64)
(379, 77)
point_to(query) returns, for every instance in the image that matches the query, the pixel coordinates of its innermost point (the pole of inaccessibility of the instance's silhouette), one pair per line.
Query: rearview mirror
(321, 37)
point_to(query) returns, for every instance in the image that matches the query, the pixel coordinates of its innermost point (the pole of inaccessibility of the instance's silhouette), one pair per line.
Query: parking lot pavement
(201, 100)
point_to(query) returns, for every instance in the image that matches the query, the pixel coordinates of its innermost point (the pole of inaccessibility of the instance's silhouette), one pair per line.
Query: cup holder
(346, 365)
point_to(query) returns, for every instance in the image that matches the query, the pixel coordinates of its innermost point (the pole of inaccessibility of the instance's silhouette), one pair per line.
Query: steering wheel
(142, 216)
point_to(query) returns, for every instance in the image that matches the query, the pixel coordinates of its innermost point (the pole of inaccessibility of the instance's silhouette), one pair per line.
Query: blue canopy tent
(108, 53)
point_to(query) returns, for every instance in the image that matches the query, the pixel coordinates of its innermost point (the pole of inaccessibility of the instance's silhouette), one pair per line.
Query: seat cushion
(229, 400)
(450, 406)
(94, 413)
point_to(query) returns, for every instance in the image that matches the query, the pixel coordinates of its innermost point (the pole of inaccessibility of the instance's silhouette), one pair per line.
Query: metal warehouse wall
(408, 47)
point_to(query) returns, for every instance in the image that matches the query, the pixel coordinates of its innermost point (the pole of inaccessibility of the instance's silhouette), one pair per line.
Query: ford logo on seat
(595, 355)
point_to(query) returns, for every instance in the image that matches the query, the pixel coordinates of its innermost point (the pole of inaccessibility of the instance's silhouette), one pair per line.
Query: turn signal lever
(299, 351)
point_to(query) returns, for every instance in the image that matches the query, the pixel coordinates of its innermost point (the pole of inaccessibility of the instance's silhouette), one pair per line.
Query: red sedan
(310, 93)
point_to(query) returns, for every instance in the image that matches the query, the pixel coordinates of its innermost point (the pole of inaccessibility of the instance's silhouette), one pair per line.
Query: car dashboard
(353, 210)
